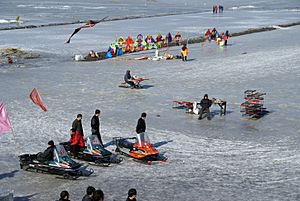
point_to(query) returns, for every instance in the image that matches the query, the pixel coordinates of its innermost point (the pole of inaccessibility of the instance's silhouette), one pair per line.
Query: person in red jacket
(76, 140)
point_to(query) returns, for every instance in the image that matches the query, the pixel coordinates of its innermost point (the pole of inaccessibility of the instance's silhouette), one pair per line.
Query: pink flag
(5, 125)
(35, 97)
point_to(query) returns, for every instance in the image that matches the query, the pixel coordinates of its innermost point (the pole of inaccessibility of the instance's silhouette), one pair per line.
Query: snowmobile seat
(126, 144)
(28, 157)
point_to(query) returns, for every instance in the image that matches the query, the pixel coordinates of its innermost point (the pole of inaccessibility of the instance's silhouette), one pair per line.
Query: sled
(137, 82)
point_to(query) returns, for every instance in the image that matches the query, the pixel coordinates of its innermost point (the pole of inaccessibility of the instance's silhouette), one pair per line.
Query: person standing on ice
(226, 36)
(95, 124)
(141, 124)
(76, 140)
(205, 105)
(184, 52)
(221, 8)
(131, 195)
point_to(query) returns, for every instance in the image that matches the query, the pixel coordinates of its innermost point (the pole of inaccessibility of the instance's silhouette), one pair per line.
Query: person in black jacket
(129, 79)
(77, 125)
(98, 195)
(95, 124)
(89, 194)
(131, 195)
(47, 155)
(141, 125)
(205, 105)
(64, 196)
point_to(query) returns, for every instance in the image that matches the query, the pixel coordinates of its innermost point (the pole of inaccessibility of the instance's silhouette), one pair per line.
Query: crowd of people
(128, 45)
(221, 38)
(141, 43)
(97, 195)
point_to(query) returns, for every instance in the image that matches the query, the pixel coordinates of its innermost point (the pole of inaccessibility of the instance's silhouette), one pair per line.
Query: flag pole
(16, 142)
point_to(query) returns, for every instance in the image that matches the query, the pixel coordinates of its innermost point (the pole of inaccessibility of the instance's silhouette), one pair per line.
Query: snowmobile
(137, 81)
(94, 153)
(138, 148)
(61, 165)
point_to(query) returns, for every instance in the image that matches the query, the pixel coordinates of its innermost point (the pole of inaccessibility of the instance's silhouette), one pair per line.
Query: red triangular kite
(36, 99)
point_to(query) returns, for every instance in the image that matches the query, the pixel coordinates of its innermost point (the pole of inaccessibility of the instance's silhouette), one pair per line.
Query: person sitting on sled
(205, 105)
(130, 80)
(47, 155)
(93, 54)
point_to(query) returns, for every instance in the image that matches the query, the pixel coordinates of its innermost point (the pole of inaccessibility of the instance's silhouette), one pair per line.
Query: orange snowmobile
(139, 148)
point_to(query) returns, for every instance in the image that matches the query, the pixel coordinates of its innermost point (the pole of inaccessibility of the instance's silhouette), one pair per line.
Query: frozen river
(226, 158)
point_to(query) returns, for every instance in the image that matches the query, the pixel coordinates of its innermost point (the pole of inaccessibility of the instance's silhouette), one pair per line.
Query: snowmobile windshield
(93, 143)
(60, 155)
(142, 139)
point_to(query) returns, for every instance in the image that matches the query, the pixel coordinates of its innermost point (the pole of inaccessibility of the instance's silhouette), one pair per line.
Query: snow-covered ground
(226, 158)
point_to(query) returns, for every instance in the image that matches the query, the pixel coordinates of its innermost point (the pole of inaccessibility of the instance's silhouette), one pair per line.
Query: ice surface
(223, 159)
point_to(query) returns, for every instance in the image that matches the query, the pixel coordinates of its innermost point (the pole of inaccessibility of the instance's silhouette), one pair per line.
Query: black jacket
(87, 198)
(127, 76)
(205, 103)
(130, 200)
(77, 126)
(141, 126)
(95, 123)
(47, 155)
